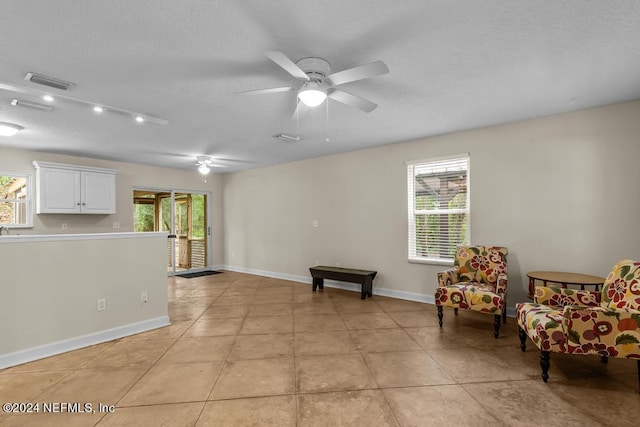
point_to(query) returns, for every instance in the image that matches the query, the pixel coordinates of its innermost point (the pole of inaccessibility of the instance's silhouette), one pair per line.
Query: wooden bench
(364, 277)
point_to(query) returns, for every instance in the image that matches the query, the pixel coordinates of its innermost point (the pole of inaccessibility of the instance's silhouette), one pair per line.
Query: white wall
(560, 192)
(51, 284)
(129, 176)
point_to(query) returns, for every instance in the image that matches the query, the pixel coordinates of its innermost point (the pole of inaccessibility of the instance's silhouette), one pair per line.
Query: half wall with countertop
(62, 292)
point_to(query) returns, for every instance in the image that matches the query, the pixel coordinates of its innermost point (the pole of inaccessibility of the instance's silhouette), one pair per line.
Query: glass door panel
(184, 216)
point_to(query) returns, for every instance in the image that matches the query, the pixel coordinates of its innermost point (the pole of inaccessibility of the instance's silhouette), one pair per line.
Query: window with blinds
(438, 208)
(15, 200)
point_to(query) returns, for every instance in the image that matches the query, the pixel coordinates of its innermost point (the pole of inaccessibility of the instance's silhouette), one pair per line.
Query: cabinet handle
(84, 204)
(78, 203)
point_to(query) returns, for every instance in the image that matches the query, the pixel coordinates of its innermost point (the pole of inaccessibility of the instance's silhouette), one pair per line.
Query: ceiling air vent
(287, 138)
(32, 105)
(48, 81)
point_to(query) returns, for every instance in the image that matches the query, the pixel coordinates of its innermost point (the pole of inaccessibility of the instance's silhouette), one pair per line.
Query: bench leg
(366, 290)
(317, 283)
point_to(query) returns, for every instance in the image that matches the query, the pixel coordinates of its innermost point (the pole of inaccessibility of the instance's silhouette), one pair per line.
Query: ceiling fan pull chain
(327, 121)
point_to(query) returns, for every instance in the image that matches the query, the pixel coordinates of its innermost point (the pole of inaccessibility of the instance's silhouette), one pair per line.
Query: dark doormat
(198, 274)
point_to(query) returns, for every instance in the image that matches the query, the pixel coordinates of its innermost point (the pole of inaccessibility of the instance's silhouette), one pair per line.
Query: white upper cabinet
(68, 189)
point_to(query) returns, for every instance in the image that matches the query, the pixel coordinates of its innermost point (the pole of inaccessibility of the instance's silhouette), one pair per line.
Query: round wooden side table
(563, 279)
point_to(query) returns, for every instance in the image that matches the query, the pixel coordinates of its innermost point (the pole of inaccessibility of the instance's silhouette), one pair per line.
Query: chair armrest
(600, 330)
(448, 277)
(560, 297)
(501, 284)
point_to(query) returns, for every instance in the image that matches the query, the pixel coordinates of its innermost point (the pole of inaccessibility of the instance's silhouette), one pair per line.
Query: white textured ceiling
(454, 65)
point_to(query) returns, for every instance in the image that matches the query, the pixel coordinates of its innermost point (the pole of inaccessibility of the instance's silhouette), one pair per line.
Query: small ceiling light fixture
(47, 98)
(9, 129)
(98, 109)
(204, 163)
(311, 94)
(139, 119)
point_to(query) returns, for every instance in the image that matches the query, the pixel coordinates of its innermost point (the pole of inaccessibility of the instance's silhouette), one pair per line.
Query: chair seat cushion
(472, 296)
(543, 324)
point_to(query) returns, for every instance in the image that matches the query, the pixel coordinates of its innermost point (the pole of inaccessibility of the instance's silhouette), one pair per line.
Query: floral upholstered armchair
(478, 282)
(605, 323)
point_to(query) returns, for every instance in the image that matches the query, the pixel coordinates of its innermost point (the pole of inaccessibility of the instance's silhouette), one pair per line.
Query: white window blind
(438, 207)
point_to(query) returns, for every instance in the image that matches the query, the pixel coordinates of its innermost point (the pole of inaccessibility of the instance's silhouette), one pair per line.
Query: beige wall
(129, 176)
(42, 316)
(560, 192)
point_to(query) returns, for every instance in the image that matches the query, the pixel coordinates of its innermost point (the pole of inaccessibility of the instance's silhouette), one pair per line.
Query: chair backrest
(622, 286)
(480, 264)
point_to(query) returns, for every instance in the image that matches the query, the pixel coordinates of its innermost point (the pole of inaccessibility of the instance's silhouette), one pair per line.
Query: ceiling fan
(319, 83)
(205, 163)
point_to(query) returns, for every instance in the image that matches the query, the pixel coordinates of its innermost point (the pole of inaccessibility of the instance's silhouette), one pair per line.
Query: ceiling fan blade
(266, 91)
(352, 100)
(301, 110)
(289, 66)
(373, 69)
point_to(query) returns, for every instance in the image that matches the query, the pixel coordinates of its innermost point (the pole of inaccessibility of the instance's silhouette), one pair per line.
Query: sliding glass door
(184, 215)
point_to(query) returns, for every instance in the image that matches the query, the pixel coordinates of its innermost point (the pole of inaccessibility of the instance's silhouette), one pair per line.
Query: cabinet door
(98, 193)
(58, 191)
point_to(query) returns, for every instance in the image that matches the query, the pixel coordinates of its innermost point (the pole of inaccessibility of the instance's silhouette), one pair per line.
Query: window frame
(412, 256)
(27, 202)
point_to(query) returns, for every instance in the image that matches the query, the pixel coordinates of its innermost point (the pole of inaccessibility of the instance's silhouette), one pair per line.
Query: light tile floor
(246, 350)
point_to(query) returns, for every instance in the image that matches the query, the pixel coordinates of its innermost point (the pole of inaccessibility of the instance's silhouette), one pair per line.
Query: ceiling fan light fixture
(312, 97)
(9, 129)
(203, 169)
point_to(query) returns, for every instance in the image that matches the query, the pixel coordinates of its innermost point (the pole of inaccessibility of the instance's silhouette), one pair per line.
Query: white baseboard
(58, 347)
(410, 296)
(392, 293)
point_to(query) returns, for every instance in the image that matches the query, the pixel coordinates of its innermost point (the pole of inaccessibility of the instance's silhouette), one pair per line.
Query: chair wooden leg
(440, 315)
(544, 364)
(496, 325)
(504, 316)
(523, 338)
(455, 311)
(604, 359)
(638, 375)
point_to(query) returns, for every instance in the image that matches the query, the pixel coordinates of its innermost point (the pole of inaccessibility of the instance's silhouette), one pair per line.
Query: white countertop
(24, 238)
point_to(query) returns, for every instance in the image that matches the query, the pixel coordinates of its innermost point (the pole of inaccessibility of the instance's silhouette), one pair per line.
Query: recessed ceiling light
(98, 109)
(47, 98)
(9, 129)
(139, 119)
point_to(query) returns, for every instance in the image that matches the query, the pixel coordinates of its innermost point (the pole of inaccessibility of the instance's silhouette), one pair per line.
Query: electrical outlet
(144, 297)
(64, 226)
(102, 304)
(116, 225)
(314, 223)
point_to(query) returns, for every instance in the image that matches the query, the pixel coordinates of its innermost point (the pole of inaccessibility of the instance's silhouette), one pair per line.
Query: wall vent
(48, 81)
